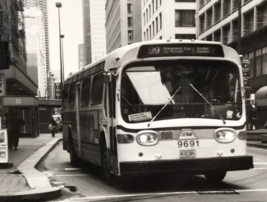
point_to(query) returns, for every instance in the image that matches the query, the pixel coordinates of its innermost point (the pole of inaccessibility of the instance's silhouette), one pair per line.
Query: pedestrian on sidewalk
(14, 124)
(52, 126)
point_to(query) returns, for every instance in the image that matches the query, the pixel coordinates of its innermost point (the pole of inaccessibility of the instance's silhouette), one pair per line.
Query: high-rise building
(34, 47)
(243, 27)
(42, 5)
(119, 23)
(168, 19)
(80, 56)
(18, 89)
(94, 30)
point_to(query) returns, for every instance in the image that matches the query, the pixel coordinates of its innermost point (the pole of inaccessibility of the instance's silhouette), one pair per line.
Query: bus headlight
(242, 135)
(147, 138)
(225, 135)
(125, 138)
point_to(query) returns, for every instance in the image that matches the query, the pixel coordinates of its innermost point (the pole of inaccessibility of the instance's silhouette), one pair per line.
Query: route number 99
(187, 143)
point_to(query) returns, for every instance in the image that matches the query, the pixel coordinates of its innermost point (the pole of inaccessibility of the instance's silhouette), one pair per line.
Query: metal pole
(58, 5)
(239, 28)
(63, 77)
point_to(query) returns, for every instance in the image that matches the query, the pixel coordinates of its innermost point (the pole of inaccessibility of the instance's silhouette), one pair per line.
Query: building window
(160, 21)
(217, 36)
(226, 7)
(261, 16)
(153, 29)
(153, 7)
(248, 23)
(157, 25)
(235, 30)
(150, 33)
(130, 35)
(129, 8)
(130, 21)
(258, 62)
(264, 60)
(185, 36)
(235, 5)
(217, 12)
(201, 3)
(185, 0)
(201, 24)
(209, 18)
(184, 18)
(144, 19)
(226, 34)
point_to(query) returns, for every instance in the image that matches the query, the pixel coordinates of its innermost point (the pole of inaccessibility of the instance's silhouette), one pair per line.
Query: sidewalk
(23, 182)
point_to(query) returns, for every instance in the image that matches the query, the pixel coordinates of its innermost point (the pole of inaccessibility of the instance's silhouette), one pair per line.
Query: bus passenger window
(72, 94)
(85, 92)
(65, 97)
(97, 89)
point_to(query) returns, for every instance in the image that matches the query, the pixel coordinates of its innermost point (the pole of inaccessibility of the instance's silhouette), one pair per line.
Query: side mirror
(107, 77)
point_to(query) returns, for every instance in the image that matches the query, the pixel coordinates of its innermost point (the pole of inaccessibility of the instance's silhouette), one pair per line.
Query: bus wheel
(106, 168)
(215, 176)
(75, 161)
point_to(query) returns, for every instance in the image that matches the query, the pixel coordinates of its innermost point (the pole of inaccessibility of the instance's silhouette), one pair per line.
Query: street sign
(3, 146)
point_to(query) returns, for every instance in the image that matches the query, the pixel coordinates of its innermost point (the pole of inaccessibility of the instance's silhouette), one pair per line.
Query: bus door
(112, 126)
(78, 88)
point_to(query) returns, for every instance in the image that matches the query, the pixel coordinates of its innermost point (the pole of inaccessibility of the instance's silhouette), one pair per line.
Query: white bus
(159, 107)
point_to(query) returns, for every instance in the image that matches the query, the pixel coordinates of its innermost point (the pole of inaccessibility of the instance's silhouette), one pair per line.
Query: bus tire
(109, 177)
(75, 161)
(215, 176)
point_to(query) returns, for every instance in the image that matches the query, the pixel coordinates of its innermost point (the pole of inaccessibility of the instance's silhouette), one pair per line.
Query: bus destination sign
(180, 50)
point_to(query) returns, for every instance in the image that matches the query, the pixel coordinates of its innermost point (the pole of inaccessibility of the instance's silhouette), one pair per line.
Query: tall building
(136, 9)
(80, 56)
(34, 31)
(119, 23)
(42, 5)
(18, 89)
(94, 30)
(168, 19)
(219, 21)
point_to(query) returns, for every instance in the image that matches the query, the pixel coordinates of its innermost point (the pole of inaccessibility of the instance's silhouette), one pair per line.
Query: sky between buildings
(71, 28)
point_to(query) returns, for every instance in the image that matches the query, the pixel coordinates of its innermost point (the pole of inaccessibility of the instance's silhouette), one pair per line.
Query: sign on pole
(3, 146)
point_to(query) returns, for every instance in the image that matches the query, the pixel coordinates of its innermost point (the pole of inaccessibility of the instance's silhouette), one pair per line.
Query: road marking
(67, 169)
(260, 163)
(161, 194)
(72, 175)
(259, 168)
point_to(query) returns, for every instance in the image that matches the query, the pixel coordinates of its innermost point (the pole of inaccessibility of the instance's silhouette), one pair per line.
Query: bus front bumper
(191, 166)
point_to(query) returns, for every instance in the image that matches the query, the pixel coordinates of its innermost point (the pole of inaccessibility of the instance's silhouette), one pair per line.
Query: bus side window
(65, 97)
(85, 92)
(72, 93)
(97, 89)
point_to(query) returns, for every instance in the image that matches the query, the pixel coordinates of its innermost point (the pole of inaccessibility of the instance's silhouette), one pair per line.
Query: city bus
(159, 107)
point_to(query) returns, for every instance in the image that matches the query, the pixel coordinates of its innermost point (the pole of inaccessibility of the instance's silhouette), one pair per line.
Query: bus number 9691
(191, 143)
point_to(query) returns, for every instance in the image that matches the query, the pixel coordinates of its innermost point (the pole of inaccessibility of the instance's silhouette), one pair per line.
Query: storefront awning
(261, 96)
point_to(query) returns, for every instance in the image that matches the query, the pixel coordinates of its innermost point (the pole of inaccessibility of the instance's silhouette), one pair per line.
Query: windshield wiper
(208, 103)
(171, 99)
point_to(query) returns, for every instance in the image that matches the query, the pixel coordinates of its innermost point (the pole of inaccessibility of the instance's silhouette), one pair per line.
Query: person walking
(53, 126)
(14, 124)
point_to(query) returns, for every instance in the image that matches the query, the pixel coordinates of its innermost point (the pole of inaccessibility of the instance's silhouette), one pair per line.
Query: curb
(41, 190)
(257, 145)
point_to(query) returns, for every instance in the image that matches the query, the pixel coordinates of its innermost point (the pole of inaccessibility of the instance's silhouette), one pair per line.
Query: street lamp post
(63, 70)
(59, 5)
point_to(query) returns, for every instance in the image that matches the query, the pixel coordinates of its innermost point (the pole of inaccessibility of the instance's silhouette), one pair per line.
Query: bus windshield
(189, 88)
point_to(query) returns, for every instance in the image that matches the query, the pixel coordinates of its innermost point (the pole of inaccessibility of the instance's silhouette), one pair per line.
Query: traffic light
(4, 55)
